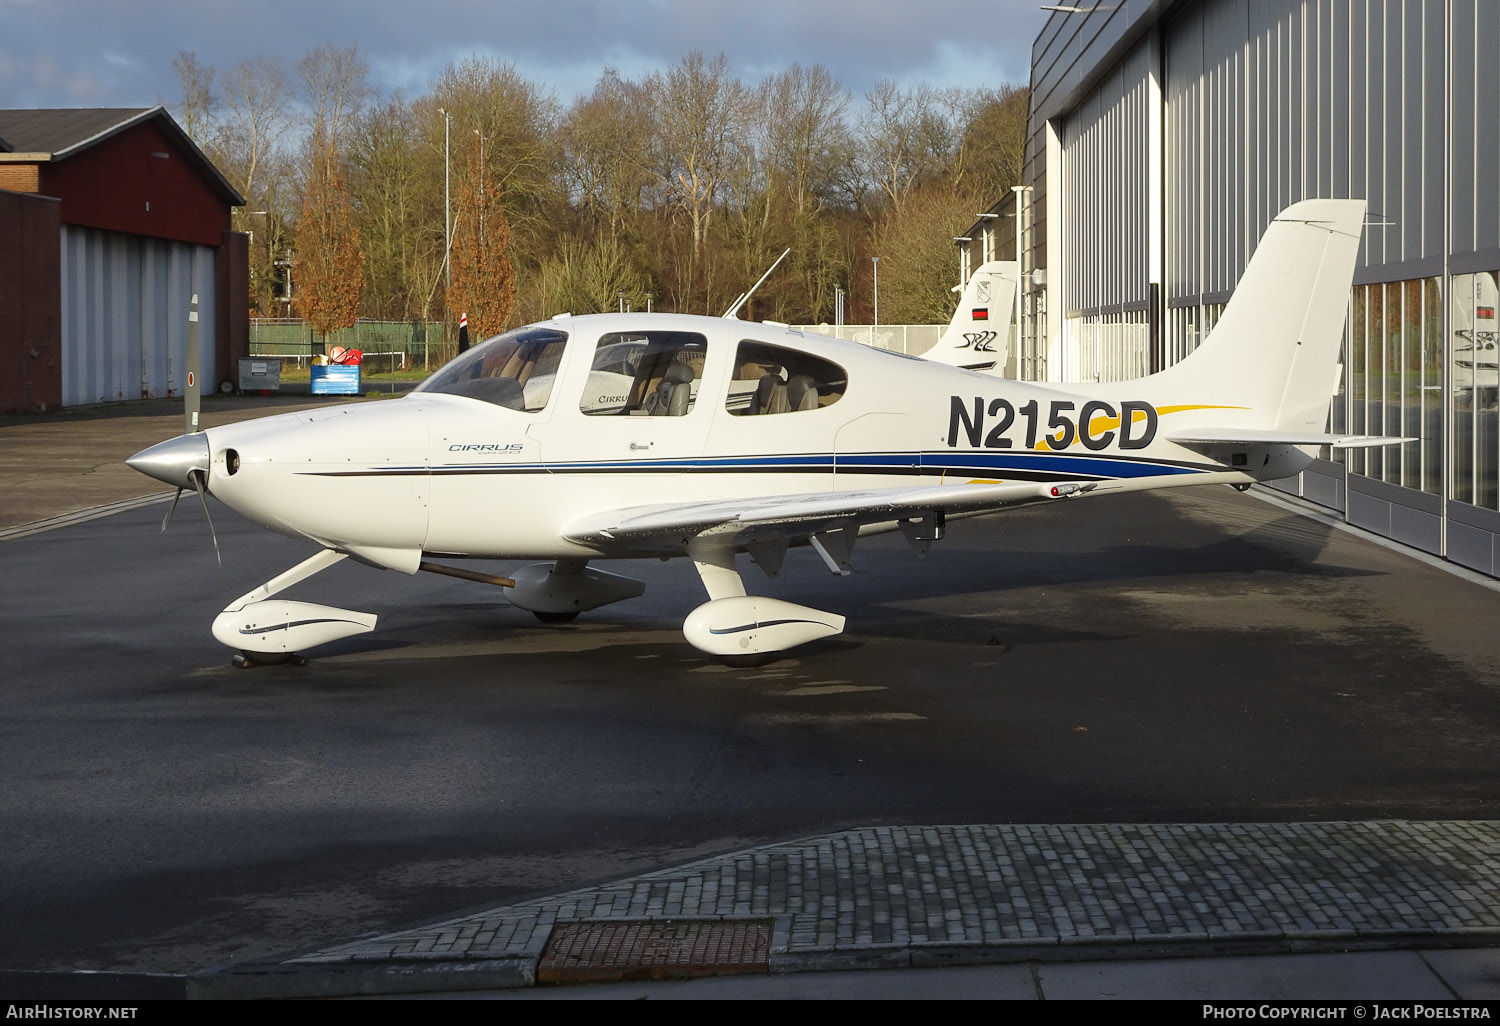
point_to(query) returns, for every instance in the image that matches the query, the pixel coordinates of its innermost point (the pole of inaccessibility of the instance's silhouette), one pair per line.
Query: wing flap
(805, 513)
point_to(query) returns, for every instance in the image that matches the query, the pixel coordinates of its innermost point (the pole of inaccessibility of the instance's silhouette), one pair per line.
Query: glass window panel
(1410, 399)
(644, 373)
(1460, 348)
(1432, 386)
(1358, 336)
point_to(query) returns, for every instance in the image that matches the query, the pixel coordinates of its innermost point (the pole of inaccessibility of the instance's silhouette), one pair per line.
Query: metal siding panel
(1486, 146)
(1392, 140)
(150, 309)
(96, 319)
(1473, 547)
(1434, 108)
(131, 302)
(207, 307)
(1463, 55)
(1359, 164)
(1413, 146)
(1337, 112)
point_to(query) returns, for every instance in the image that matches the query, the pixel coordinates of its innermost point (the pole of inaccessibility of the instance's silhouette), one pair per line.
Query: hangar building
(1166, 134)
(110, 220)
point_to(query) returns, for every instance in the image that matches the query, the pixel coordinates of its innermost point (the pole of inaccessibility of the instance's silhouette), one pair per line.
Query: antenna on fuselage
(745, 296)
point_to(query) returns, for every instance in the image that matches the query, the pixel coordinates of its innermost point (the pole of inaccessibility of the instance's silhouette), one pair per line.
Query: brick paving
(922, 895)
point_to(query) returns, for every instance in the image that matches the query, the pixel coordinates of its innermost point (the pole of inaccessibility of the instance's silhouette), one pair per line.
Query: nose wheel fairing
(262, 628)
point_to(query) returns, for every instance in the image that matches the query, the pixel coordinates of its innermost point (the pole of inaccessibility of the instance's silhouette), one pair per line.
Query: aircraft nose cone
(173, 460)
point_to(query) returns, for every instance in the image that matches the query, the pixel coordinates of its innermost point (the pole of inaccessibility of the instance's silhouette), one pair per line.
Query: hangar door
(125, 302)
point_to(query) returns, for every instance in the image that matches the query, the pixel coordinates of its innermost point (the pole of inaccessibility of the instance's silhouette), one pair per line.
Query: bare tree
(807, 142)
(257, 100)
(605, 151)
(398, 184)
(907, 137)
(199, 104)
(334, 77)
(699, 113)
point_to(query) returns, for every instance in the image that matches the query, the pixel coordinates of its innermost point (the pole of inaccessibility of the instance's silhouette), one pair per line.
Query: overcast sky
(108, 53)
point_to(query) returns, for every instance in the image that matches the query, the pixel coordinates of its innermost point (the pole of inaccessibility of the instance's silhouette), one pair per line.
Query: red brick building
(110, 221)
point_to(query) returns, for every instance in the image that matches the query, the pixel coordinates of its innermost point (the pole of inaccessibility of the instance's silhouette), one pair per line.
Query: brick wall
(18, 177)
(30, 303)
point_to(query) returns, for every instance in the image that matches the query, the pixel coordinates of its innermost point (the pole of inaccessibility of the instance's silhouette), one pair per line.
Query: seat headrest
(801, 393)
(678, 373)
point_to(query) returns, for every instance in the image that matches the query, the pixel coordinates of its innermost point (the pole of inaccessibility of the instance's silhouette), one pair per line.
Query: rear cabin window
(516, 370)
(644, 374)
(771, 379)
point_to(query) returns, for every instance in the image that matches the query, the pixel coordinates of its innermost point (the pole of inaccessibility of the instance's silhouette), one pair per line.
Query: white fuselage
(451, 474)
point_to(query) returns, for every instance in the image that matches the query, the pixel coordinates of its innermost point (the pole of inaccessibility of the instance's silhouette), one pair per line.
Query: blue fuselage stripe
(987, 463)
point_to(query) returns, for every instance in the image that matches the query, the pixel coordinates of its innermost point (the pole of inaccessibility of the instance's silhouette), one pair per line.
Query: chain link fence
(911, 339)
(414, 345)
(386, 345)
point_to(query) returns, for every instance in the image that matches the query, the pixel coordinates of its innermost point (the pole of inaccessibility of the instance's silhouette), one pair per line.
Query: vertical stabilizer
(978, 337)
(1269, 361)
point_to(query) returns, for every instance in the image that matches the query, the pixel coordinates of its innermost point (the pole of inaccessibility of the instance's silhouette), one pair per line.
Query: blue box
(335, 379)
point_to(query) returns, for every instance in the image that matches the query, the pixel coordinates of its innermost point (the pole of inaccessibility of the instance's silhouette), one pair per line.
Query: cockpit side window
(773, 379)
(644, 374)
(516, 370)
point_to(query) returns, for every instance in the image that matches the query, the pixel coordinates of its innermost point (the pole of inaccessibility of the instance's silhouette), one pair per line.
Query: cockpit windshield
(516, 369)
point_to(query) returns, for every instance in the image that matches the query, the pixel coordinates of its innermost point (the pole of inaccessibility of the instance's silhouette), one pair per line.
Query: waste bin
(260, 376)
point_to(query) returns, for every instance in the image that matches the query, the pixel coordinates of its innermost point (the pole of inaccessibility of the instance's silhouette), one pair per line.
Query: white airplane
(741, 439)
(1476, 361)
(978, 336)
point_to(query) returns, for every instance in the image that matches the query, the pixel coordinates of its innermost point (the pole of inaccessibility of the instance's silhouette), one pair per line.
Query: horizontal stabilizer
(1257, 436)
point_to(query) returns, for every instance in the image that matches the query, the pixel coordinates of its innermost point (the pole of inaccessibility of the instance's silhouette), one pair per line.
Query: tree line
(674, 190)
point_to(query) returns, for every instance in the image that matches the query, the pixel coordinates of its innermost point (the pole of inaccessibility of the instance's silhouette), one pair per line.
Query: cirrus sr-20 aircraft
(626, 436)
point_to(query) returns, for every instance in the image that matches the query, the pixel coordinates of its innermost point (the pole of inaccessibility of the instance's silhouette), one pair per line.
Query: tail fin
(978, 337)
(1270, 361)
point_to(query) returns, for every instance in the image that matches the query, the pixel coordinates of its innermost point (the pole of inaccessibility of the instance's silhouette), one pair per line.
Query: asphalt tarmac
(1195, 657)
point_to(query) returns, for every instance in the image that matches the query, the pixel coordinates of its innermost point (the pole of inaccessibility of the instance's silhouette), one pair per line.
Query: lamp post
(480, 137)
(875, 263)
(1019, 190)
(649, 296)
(962, 242)
(447, 206)
(989, 235)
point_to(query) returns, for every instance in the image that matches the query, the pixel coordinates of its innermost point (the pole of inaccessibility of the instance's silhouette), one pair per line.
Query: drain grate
(656, 949)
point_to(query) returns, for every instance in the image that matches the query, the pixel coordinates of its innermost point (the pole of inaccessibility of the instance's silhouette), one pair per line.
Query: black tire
(749, 662)
(556, 617)
(226, 387)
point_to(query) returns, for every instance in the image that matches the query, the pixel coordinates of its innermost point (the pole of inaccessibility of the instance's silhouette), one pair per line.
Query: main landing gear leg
(557, 592)
(746, 630)
(268, 631)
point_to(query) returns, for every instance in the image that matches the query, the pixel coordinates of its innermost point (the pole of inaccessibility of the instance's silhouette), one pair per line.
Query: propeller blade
(168, 518)
(193, 394)
(199, 482)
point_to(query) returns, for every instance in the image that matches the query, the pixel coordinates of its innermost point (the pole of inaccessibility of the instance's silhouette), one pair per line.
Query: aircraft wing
(802, 514)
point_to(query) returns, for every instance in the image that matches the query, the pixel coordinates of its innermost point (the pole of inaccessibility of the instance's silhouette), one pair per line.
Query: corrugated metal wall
(1273, 101)
(125, 303)
(1267, 102)
(1476, 135)
(1105, 236)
